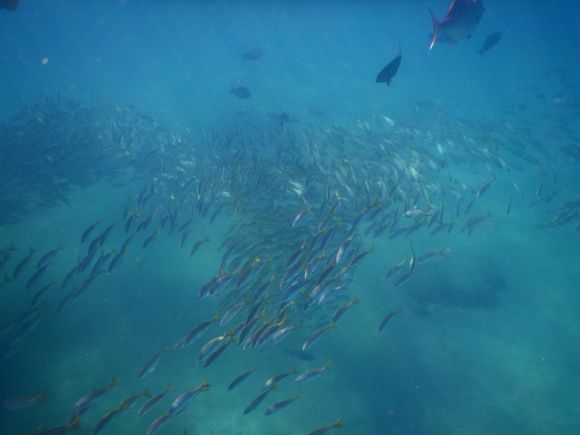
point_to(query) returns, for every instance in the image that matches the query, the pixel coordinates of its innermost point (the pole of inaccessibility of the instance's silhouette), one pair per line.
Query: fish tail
(435, 30)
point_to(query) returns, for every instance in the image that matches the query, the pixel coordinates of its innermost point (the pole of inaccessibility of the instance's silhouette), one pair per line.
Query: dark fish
(390, 71)
(9, 5)
(325, 429)
(23, 263)
(73, 425)
(17, 403)
(300, 354)
(151, 403)
(459, 22)
(388, 317)
(241, 92)
(259, 399)
(46, 258)
(88, 231)
(253, 54)
(490, 42)
(240, 379)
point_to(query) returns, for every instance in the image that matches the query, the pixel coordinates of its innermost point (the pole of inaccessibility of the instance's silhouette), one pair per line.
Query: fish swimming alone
(390, 71)
(253, 54)
(241, 92)
(490, 42)
(9, 5)
(459, 22)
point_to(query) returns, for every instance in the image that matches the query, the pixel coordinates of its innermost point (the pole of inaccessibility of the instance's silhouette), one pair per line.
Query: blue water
(488, 340)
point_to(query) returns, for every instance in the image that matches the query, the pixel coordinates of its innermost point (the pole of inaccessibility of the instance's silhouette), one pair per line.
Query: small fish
(87, 400)
(88, 231)
(300, 354)
(181, 402)
(271, 383)
(508, 208)
(107, 418)
(300, 216)
(73, 425)
(490, 42)
(34, 278)
(158, 423)
(403, 279)
(151, 364)
(241, 92)
(325, 429)
(282, 404)
(151, 403)
(18, 403)
(9, 5)
(256, 402)
(341, 311)
(23, 263)
(241, 378)
(195, 333)
(313, 339)
(48, 257)
(388, 317)
(253, 54)
(40, 293)
(308, 375)
(197, 245)
(130, 401)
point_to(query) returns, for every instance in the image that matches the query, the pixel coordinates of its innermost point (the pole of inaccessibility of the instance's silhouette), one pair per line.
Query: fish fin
(337, 423)
(146, 392)
(114, 382)
(435, 30)
(41, 397)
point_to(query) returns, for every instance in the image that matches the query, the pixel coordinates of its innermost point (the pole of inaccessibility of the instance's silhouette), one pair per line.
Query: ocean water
(121, 111)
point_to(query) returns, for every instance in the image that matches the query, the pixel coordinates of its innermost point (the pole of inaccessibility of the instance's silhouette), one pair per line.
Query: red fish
(458, 24)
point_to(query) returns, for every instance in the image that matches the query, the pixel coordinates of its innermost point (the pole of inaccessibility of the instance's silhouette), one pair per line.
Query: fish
(341, 311)
(273, 381)
(23, 263)
(151, 364)
(325, 429)
(37, 275)
(88, 399)
(152, 402)
(130, 401)
(458, 24)
(300, 354)
(195, 333)
(313, 339)
(9, 5)
(107, 418)
(282, 404)
(158, 424)
(18, 403)
(388, 317)
(387, 74)
(253, 54)
(181, 402)
(490, 42)
(87, 232)
(239, 379)
(48, 257)
(257, 400)
(308, 375)
(73, 425)
(241, 92)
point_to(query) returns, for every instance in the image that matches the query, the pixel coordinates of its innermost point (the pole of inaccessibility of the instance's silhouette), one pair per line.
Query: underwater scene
(235, 217)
